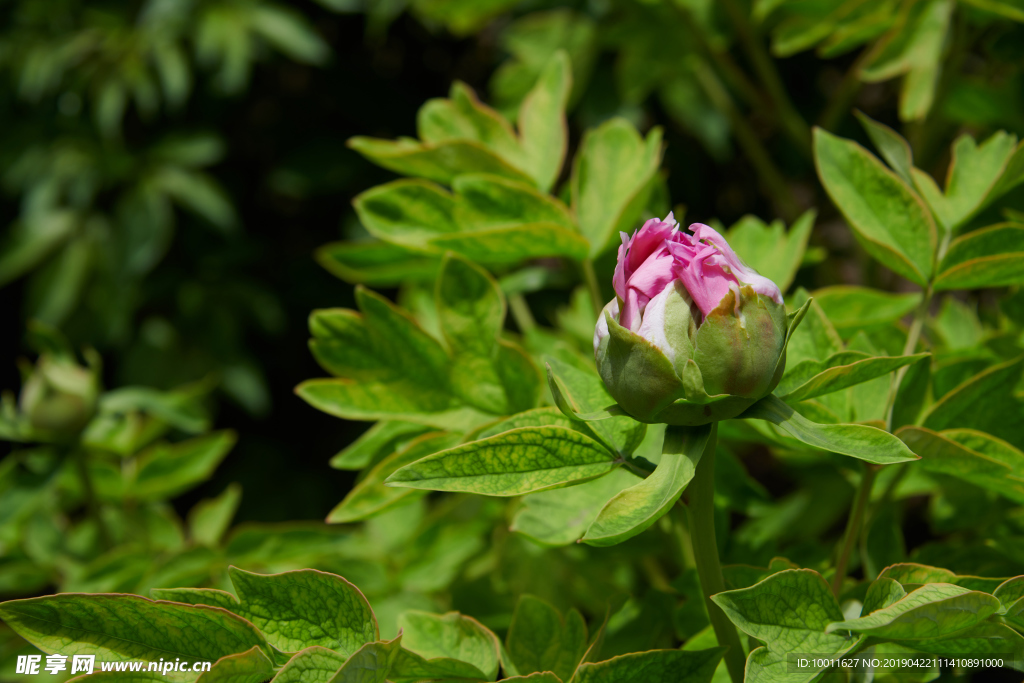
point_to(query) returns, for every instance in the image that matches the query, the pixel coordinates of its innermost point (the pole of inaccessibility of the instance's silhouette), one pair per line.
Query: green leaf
(562, 516)
(314, 664)
(305, 607)
(891, 145)
(211, 517)
(985, 639)
(769, 249)
(942, 452)
(910, 574)
(441, 162)
(542, 677)
(489, 219)
(992, 257)
(489, 374)
(464, 117)
(410, 667)
(542, 128)
(540, 639)
(451, 636)
(251, 666)
(117, 628)
(165, 470)
(788, 611)
(1010, 591)
(371, 663)
(850, 307)
(653, 666)
(585, 395)
(888, 219)
(839, 371)
(28, 242)
(882, 592)
(913, 47)
(858, 441)
(370, 496)
(611, 177)
(979, 401)
(515, 462)
(376, 264)
(932, 611)
(974, 172)
(380, 440)
(635, 509)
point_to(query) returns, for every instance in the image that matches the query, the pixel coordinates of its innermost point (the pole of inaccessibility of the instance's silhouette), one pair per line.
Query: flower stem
(705, 554)
(853, 526)
(521, 313)
(593, 287)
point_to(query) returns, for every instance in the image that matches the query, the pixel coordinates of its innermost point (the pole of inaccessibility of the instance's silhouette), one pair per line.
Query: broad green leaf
(314, 664)
(985, 639)
(858, 441)
(913, 47)
(165, 470)
(376, 264)
(489, 374)
(305, 607)
(910, 574)
(785, 609)
(371, 663)
(1010, 9)
(853, 307)
(540, 639)
(370, 496)
(611, 177)
(251, 666)
(654, 666)
(992, 257)
(973, 173)
(541, 677)
(410, 667)
(542, 127)
(769, 249)
(839, 371)
(118, 628)
(538, 417)
(635, 509)
(891, 145)
(463, 117)
(932, 611)
(889, 220)
(1010, 591)
(978, 402)
(515, 462)
(380, 440)
(440, 162)
(788, 611)
(882, 592)
(562, 516)
(451, 636)
(945, 453)
(211, 517)
(586, 392)
(213, 597)
(489, 219)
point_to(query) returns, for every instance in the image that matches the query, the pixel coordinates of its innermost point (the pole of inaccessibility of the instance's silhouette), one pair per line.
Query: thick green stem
(593, 286)
(773, 184)
(792, 123)
(521, 313)
(705, 554)
(853, 526)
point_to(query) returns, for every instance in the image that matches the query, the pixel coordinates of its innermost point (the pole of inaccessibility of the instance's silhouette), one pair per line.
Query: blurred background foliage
(170, 167)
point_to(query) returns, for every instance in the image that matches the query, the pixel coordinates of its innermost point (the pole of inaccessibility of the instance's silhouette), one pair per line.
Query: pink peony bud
(694, 334)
